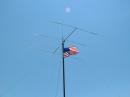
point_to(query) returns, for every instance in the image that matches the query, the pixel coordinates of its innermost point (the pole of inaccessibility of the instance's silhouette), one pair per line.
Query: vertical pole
(63, 62)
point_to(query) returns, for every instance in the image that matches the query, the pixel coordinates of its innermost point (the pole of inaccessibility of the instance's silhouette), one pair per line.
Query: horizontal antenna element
(70, 26)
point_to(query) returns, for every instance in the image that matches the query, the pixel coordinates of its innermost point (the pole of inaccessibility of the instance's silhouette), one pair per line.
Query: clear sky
(27, 39)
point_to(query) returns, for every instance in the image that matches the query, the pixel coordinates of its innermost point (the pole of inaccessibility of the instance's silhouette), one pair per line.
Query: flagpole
(63, 63)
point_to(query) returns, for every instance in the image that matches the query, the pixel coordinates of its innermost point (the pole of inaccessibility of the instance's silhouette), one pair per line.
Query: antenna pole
(63, 62)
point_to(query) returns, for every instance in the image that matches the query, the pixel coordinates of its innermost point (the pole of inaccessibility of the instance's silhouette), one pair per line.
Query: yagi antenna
(71, 26)
(74, 29)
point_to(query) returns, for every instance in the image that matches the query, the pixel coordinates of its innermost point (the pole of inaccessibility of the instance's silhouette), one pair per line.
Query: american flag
(70, 51)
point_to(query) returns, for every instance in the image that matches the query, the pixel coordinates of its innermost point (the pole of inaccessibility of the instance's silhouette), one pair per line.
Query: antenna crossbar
(70, 26)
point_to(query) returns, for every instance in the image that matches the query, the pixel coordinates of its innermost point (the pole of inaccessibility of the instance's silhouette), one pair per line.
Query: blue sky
(29, 69)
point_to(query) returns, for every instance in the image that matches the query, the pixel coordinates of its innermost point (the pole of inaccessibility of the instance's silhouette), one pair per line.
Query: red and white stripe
(66, 54)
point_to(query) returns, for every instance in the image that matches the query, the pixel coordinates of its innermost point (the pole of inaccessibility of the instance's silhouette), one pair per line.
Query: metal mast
(63, 62)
